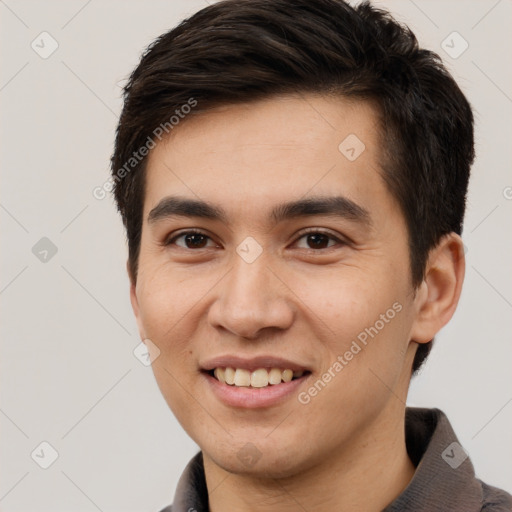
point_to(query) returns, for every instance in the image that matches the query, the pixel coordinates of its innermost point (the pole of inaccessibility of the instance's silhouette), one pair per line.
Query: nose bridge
(251, 298)
(249, 282)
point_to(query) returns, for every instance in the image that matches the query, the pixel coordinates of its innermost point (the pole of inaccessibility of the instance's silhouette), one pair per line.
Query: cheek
(364, 319)
(166, 309)
(164, 306)
(346, 301)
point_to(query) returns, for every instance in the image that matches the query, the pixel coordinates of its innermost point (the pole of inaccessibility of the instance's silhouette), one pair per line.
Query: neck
(368, 475)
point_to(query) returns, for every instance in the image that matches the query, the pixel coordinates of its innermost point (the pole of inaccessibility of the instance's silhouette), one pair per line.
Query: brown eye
(195, 241)
(318, 240)
(190, 240)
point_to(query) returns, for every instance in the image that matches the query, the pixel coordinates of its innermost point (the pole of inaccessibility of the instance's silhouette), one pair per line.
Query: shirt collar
(444, 478)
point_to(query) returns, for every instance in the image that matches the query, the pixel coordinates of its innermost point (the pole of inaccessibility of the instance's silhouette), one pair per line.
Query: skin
(345, 449)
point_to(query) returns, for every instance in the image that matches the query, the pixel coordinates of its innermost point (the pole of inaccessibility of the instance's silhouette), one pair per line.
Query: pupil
(318, 240)
(190, 239)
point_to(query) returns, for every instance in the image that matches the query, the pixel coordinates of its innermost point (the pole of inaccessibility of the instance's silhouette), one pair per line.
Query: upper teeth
(257, 379)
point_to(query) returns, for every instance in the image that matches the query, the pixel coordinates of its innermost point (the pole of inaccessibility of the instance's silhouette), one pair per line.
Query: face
(270, 241)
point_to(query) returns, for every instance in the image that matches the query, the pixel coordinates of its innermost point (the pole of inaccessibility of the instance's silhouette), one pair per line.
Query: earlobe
(439, 293)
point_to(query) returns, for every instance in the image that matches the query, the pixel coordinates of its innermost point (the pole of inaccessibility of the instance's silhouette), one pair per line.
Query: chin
(260, 458)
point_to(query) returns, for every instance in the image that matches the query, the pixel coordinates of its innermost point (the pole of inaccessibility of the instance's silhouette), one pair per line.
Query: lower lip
(252, 398)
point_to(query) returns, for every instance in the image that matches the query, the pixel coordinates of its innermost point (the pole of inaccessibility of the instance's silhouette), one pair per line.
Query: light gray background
(69, 376)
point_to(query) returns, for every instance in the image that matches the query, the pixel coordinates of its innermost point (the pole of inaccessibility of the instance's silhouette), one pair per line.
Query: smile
(255, 382)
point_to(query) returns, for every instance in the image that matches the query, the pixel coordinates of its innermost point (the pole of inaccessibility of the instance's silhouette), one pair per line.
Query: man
(292, 175)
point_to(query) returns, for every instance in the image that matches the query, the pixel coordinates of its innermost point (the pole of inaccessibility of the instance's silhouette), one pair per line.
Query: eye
(192, 239)
(315, 239)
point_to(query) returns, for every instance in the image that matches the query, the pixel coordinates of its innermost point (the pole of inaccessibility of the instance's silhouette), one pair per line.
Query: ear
(135, 303)
(439, 293)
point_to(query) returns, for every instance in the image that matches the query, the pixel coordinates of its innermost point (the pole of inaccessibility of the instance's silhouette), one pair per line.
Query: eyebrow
(332, 206)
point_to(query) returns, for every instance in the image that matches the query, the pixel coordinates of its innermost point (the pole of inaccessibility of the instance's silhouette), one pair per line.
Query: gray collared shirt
(444, 479)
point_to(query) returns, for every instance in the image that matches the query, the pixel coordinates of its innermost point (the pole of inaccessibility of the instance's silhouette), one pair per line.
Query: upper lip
(251, 364)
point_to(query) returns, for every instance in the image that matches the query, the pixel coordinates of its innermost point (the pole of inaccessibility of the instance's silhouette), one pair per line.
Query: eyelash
(304, 233)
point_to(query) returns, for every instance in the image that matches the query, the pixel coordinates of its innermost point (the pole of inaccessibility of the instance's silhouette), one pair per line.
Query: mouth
(258, 378)
(253, 383)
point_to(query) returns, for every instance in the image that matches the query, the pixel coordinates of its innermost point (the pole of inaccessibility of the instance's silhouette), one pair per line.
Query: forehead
(245, 157)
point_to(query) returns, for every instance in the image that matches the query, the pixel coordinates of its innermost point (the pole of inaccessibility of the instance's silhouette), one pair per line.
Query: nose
(252, 298)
